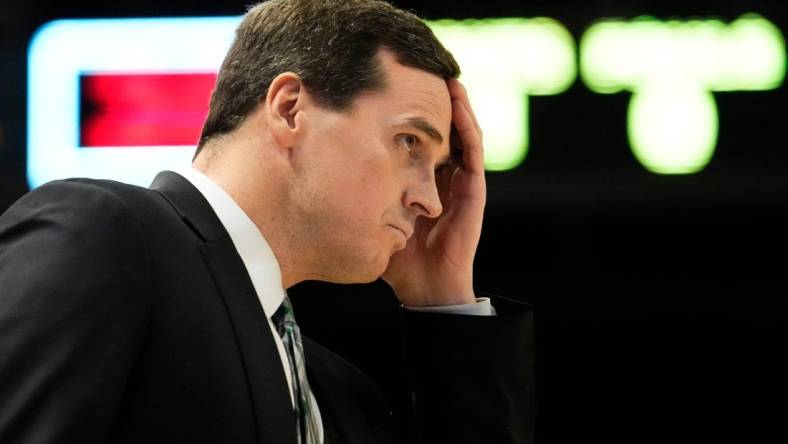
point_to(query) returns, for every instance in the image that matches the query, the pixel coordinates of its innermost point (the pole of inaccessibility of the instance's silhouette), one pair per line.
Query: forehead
(411, 93)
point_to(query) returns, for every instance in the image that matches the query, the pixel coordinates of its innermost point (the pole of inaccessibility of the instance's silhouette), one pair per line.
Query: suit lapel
(269, 391)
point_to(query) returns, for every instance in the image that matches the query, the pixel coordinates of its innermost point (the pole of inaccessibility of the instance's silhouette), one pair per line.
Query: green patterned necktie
(306, 420)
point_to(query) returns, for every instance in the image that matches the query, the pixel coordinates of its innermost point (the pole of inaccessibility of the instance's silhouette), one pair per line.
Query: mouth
(405, 234)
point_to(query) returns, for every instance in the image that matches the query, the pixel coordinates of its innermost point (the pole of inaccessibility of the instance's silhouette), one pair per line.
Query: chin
(354, 278)
(364, 273)
(354, 268)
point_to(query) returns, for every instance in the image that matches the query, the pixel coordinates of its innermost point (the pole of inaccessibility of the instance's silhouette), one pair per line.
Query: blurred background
(658, 279)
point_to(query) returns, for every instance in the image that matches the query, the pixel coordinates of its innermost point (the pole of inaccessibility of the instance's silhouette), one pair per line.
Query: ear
(285, 99)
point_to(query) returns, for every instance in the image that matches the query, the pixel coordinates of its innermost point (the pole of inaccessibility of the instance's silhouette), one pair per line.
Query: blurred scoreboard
(125, 98)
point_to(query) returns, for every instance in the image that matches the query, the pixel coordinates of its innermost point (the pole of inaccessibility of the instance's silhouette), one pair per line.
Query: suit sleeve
(74, 305)
(472, 376)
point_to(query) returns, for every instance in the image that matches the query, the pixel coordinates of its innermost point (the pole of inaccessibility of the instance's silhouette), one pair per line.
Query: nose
(422, 196)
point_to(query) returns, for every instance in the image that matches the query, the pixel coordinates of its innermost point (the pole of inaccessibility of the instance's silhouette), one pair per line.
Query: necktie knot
(284, 318)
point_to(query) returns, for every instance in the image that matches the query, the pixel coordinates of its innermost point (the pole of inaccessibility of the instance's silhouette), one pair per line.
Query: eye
(408, 142)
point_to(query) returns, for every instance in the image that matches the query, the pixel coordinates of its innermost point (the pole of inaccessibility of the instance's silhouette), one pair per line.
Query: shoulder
(74, 245)
(76, 218)
(79, 204)
(81, 193)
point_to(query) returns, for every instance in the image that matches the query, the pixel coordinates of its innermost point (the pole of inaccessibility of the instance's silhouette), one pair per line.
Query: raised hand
(436, 266)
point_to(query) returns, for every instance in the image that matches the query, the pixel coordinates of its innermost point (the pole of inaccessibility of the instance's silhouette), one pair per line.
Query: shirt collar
(256, 254)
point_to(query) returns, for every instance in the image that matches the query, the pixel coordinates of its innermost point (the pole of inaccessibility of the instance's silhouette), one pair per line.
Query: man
(160, 315)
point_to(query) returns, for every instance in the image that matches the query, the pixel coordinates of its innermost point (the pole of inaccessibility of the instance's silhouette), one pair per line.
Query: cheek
(358, 176)
(365, 193)
(363, 197)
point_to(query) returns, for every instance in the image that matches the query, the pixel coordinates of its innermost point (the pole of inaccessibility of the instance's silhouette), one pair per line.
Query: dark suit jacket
(126, 315)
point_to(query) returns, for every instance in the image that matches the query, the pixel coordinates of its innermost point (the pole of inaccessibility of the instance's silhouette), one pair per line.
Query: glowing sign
(64, 51)
(671, 68)
(143, 109)
(503, 62)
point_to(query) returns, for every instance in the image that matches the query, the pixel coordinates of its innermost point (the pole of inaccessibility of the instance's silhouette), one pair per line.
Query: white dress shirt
(263, 267)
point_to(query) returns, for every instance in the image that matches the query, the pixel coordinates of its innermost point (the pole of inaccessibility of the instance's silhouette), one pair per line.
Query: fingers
(457, 91)
(467, 128)
(472, 151)
(443, 182)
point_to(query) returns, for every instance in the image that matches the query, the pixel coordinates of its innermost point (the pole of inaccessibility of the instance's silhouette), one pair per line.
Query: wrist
(412, 297)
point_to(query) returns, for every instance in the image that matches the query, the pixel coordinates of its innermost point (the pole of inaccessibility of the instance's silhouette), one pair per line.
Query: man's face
(364, 176)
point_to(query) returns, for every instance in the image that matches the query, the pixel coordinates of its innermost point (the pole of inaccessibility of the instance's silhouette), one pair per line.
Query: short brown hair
(330, 44)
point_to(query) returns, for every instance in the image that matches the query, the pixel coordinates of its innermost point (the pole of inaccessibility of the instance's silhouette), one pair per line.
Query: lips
(407, 232)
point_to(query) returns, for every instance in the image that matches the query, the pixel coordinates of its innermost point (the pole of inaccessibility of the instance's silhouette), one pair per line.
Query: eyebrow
(426, 127)
(430, 130)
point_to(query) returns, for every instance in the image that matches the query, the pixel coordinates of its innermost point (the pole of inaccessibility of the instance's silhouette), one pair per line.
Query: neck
(249, 178)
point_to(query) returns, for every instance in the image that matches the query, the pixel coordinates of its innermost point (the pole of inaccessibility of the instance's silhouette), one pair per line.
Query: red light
(143, 109)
